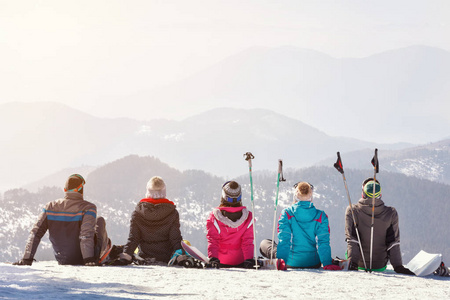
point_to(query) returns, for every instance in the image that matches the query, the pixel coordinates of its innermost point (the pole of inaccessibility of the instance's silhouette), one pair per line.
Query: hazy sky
(80, 52)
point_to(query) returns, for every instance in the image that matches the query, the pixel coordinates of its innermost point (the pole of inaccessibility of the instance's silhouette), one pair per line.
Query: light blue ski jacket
(304, 236)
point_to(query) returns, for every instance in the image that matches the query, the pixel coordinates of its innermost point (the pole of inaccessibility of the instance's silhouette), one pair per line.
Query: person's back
(71, 222)
(71, 226)
(230, 230)
(301, 223)
(386, 233)
(303, 234)
(298, 228)
(154, 226)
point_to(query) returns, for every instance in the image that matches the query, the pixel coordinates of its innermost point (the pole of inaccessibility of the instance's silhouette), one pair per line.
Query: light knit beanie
(156, 188)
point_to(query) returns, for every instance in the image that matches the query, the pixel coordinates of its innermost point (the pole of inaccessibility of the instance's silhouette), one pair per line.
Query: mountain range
(396, 95)
(44, 138)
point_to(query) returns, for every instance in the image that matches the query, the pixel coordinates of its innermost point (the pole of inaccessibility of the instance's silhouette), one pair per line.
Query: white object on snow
(424, 263)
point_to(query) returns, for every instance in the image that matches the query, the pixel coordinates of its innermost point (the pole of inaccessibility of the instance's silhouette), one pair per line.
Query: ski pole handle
(338, 164)
(248, 157)
(375, 162)
(280, 171)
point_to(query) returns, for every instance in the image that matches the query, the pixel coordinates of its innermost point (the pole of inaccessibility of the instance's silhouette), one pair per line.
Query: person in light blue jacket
(303, 234)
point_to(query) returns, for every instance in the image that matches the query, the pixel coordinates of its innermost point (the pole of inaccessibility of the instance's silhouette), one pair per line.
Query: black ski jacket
(386, 234)
(155, 229)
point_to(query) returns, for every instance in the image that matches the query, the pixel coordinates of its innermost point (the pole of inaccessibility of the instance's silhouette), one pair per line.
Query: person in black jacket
(385, 232)
(77, 235)
(154, 226)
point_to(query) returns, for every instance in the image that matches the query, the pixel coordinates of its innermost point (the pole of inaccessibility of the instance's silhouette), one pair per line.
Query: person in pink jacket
(230, 231)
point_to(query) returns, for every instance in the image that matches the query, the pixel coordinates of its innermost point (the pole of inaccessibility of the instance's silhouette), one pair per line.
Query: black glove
(91, 261)
(402, 270)
(23, 262)
(352, 266)
(250, 263)
(213, 263)
(121, 262)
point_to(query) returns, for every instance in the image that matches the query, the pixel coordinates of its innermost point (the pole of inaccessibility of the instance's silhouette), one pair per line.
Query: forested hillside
(116, 188)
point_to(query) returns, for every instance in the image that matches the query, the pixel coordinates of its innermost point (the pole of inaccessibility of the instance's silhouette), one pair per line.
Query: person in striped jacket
(77, 235)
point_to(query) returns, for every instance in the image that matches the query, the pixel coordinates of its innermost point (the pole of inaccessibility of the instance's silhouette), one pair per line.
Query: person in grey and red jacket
(154, 226)
(386, 233)
(77, 235)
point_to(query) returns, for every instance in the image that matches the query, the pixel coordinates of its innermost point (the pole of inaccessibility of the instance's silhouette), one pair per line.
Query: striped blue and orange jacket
(71, 225)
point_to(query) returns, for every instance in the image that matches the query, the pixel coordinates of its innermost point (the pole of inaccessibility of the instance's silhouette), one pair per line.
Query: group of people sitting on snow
(79, 236)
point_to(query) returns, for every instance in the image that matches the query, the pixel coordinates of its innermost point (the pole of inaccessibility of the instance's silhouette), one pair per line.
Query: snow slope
(48, 280)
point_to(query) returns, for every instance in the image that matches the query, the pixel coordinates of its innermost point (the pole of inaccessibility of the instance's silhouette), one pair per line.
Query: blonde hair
(303, 192)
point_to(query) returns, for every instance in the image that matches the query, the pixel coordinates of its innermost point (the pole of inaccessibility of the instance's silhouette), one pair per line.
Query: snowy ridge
(48, 280)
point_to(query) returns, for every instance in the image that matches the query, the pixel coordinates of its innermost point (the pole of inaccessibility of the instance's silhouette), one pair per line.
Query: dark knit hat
(368, 186)
(74, 183)
(231, 194)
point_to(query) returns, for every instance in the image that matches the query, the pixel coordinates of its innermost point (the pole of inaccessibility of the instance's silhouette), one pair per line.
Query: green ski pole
(248, 157)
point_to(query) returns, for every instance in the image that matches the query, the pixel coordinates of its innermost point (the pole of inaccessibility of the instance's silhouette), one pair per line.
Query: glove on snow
(23, 262)
(213, 263)
(402, 270)
(90, 262)
(353, 266)
(250, 263)
(124, 259)
(332, 268)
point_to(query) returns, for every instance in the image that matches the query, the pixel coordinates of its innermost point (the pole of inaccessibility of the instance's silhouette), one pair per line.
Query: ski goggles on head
(312, 186)
(370, 187)
(233, 200)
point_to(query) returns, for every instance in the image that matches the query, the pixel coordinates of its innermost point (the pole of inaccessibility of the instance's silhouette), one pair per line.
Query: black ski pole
(375, 171)
(340, 167)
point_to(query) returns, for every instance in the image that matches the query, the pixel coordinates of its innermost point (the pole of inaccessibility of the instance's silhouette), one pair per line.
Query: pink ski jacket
(230, 242)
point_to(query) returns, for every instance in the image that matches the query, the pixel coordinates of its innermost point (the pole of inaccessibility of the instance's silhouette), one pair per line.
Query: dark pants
(102, 242)
(266, 247)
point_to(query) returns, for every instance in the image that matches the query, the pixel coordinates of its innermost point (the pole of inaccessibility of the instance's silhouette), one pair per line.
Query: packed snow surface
(48, 280)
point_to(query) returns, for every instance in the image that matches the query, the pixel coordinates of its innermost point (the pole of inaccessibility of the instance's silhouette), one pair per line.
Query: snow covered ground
(48, 280)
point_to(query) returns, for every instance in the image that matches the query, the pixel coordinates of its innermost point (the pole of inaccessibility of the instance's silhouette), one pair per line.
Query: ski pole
(375, 171)
(248, 157)
(339, 166)
(279, 178)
